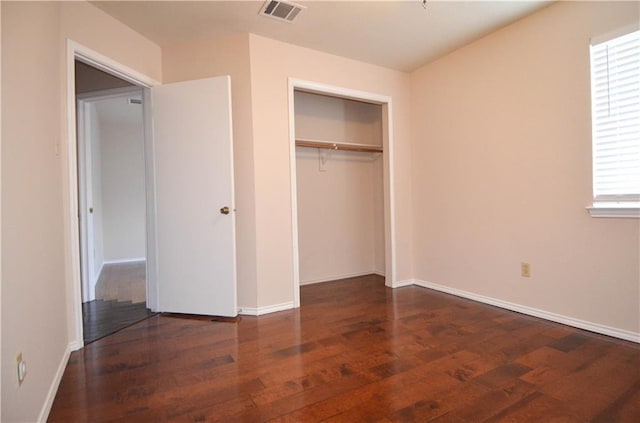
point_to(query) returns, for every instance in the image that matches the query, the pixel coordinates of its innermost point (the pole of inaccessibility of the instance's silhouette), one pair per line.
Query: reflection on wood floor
(356, 351)
(120, 300)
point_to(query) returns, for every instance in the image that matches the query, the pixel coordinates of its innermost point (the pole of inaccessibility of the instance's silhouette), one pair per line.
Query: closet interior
(340, 189)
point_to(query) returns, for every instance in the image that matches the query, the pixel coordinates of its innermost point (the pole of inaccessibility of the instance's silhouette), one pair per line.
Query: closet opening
(340, 160)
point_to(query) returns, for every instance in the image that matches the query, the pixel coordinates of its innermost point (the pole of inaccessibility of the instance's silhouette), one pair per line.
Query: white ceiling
(397, 34)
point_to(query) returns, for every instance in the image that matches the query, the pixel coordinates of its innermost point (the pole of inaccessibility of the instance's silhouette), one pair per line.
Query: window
(615, 105)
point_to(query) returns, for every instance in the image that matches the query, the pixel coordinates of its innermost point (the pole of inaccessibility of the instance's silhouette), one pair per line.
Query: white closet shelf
(346, 146)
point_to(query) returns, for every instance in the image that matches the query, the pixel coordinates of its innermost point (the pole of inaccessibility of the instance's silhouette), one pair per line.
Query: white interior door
(194, 197)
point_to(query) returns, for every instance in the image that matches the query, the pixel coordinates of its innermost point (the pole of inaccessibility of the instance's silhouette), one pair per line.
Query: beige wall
(326, 118)
(269, 81)
(89, 26)
(36, 277)
(338, 222)
(502, 171)
(228, 56)
(33, 278)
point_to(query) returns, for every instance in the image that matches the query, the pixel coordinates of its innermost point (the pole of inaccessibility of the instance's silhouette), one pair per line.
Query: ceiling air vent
(281, 10)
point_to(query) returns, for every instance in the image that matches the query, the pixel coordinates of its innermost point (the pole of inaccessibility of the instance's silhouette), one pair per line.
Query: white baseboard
(120, 261)
(558, 318)
(76, 345)
(338, 277)
(91, 295)
(53, 389)
(249, 311)
(400, 284)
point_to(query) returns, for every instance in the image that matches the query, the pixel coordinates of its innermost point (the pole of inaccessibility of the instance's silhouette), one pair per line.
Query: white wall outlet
(22, 368)
(525, 270)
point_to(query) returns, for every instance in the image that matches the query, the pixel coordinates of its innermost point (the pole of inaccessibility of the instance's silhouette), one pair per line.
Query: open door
(194, 197)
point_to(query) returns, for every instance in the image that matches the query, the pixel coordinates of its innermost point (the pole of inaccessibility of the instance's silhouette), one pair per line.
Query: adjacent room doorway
(190, 253)
(111, 196)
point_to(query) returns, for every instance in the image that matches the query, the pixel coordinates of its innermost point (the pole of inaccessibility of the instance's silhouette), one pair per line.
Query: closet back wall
(340, 208)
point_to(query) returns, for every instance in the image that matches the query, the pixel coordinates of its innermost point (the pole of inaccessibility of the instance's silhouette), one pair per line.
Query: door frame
(85, 186)
(77, 51)
(388, 173)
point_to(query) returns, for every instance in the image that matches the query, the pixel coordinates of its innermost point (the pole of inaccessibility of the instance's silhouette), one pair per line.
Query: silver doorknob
(224, 210)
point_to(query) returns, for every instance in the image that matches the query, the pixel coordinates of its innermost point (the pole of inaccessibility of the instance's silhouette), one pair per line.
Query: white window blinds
(615, 102)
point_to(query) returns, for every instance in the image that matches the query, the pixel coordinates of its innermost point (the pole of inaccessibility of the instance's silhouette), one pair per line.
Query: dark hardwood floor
(120, 300)
(355, 351)
(101, 318)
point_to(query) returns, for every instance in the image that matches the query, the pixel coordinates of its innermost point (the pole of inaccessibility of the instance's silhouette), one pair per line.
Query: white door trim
(104, 63)
(389, 191)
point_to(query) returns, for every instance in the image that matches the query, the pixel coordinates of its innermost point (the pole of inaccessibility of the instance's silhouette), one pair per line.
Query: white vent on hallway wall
(281, 10)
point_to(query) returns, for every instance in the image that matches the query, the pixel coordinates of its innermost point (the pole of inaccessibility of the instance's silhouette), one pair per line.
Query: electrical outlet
(22, 368)
(525, 270)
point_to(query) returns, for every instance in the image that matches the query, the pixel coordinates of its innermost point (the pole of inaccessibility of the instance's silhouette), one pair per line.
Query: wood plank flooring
(123, 282)
(120, 300)
(101, 318)
(355, 351)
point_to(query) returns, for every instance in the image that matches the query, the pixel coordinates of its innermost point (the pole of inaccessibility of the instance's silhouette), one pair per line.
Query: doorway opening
(111, 201)
(187, 117)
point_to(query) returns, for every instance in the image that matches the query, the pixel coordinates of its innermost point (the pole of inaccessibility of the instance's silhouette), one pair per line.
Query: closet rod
(339, 146)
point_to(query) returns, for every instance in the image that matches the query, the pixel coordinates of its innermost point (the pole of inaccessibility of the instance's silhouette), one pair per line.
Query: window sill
(616, 210)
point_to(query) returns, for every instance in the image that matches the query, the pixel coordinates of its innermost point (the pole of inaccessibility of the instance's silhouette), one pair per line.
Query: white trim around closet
(389, 197)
